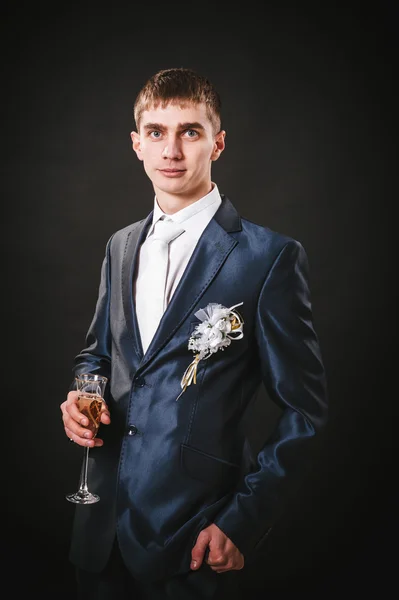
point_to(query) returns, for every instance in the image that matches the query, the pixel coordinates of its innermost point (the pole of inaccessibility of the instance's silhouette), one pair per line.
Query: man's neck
(172, 203)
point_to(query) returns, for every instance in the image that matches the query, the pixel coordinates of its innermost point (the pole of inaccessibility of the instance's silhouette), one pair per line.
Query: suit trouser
(116, 583)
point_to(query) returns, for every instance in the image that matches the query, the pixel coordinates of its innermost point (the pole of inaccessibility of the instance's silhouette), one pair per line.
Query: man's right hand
(75, 423)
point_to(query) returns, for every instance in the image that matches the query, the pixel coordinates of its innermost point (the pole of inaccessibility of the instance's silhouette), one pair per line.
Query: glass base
(83, 498)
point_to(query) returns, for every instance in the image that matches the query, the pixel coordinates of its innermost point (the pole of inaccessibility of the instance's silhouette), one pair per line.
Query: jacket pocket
(208, 468)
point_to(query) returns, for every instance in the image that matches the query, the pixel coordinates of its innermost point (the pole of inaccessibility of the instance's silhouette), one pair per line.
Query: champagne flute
(90, 402)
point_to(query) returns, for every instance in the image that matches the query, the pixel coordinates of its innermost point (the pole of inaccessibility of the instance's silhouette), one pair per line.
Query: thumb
(198, 551)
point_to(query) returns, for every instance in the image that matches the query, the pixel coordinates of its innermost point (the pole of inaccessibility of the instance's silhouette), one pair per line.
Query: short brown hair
(179, 86)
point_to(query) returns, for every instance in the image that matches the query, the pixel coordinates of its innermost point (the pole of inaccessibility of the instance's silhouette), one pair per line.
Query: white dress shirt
(194, 219)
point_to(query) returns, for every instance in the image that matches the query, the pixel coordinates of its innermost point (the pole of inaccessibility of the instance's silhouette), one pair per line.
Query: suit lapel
(212, 250)
(133, 243)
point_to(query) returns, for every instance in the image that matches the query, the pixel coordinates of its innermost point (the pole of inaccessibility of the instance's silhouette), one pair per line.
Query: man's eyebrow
(157, 126)
(194, 125)
(180, 126)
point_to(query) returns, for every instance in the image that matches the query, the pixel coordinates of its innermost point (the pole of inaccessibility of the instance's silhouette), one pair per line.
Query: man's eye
(155, 134)
(191, 133)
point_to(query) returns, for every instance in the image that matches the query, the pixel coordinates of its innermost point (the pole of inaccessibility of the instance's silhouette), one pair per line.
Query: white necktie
(150, 305)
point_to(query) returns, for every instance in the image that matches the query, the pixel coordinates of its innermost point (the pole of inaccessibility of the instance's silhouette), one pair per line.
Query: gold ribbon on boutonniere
(219, 326)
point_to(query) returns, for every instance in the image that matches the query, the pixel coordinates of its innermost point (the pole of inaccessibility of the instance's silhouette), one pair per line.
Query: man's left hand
(223, 554)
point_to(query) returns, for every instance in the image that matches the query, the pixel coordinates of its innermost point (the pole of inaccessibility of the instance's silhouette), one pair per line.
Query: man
(181, 511)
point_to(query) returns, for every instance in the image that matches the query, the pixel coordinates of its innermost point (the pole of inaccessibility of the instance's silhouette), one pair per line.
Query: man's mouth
(172, 172)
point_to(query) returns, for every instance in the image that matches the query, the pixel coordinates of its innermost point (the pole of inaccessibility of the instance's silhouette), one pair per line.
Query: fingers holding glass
(90, 403)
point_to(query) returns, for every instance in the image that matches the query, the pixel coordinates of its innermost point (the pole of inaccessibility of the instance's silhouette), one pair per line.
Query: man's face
(177, 146)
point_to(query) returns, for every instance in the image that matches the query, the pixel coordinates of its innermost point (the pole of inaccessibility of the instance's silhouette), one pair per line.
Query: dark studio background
(310, 151)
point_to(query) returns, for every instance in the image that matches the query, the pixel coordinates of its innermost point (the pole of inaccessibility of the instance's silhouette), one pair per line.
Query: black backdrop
(309, 112)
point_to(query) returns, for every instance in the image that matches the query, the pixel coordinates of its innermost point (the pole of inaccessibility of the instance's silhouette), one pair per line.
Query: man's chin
(175, 185)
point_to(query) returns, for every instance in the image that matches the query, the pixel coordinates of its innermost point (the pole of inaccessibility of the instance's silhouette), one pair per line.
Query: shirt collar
(184, 215)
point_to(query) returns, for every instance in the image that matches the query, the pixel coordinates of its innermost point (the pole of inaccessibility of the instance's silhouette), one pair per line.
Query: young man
(180, 513)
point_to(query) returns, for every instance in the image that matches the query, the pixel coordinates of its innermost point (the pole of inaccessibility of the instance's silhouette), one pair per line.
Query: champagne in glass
(90, 405)
(90, 402)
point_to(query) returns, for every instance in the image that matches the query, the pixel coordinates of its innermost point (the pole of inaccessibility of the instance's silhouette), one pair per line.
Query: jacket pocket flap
(207, 468)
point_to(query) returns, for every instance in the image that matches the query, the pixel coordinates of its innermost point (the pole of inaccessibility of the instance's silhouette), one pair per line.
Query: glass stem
(83, 474)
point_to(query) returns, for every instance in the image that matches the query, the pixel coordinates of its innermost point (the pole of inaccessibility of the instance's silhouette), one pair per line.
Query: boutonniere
(219, 326)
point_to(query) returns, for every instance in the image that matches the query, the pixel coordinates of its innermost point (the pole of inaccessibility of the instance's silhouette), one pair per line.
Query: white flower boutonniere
(219, 326)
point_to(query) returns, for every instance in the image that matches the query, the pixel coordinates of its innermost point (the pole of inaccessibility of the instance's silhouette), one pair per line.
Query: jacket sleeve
(294, 377)
(96, 356)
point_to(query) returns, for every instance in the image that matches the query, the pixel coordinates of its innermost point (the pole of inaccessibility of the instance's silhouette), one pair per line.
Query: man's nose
(172, 149)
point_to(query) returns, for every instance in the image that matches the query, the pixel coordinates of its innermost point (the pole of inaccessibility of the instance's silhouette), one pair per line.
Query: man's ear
(135, 137)
(218, 145)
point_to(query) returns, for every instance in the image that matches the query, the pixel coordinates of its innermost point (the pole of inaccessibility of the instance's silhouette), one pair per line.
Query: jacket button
(132, 430)
(139, 381)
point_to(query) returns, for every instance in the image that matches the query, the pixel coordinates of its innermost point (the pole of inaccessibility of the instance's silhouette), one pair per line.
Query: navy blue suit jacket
(169, 468)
